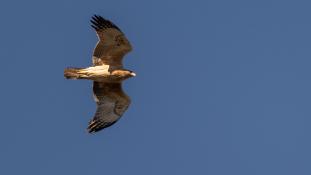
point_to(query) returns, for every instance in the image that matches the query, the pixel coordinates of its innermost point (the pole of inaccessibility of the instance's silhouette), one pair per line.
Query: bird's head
(123, 74)
(130, 73)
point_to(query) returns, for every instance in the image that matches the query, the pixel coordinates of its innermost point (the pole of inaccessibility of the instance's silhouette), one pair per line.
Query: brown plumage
(107, 73)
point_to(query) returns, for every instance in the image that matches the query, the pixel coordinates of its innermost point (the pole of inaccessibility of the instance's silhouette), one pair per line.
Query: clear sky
(222, 88)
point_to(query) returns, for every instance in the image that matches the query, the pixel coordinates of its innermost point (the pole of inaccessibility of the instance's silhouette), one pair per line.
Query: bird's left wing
(112, 44)
(111, 101)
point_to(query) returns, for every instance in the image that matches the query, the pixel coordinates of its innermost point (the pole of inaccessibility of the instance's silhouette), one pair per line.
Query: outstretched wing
(111, 101)
(112, 44)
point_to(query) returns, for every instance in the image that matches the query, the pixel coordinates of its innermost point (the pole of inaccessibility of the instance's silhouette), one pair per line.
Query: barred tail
(73, 73)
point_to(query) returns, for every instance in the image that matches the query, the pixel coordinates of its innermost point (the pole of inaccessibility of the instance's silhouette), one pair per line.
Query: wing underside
(111, 101)
(112, 45)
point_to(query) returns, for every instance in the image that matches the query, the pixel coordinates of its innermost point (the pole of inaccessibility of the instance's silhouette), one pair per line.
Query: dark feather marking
(98, 125)
(100, 23)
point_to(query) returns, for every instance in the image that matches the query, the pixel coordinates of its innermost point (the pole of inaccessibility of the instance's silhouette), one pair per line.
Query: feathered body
(107, 73)
(99, 74)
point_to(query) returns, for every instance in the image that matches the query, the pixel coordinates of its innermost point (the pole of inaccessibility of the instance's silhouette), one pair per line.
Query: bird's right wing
(111, 101)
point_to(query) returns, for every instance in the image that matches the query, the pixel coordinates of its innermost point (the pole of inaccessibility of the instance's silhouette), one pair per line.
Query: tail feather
(72, 73)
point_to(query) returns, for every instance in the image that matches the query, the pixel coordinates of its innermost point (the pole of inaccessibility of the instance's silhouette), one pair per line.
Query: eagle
(107, 74)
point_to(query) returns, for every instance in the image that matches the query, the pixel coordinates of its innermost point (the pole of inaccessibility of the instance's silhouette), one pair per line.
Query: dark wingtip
(91, 131)
(95, 126)
(92, 128)
(100, 23)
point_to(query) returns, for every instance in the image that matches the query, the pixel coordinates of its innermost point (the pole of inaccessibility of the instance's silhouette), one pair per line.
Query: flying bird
(107, 74)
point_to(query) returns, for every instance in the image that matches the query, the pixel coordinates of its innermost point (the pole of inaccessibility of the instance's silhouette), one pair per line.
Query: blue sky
(222, 87)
